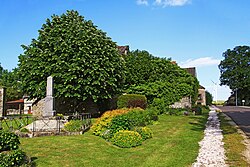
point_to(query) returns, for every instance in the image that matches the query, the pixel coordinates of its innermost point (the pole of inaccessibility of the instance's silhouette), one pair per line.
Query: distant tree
(209, 98)
(1, 70)
(9, 80)
(235, 70)
(83, 61)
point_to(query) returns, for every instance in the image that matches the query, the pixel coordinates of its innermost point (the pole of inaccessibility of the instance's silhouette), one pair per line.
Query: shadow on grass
(198, 122)
(32, 162)
(225, 126)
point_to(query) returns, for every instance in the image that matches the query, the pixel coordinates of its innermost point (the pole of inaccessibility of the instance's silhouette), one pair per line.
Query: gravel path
(211, 153)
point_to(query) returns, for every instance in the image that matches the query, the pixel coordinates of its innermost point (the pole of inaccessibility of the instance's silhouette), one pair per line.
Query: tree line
(86, 64)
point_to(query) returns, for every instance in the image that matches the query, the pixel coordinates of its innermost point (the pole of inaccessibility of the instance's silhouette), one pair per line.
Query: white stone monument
(49, 110)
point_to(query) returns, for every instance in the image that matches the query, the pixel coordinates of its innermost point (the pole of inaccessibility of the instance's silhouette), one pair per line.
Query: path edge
(246, 139)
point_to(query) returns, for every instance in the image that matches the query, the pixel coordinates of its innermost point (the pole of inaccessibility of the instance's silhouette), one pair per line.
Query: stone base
(49, 114)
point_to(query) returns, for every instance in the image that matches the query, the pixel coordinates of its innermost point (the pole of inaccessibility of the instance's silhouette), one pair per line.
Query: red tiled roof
(15, 102)
(174, 62)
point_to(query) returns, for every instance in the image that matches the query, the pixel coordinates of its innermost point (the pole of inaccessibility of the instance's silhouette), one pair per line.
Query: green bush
(197, 110)
(160, 106)
(10, 155)
(132, 101)
(120, 122)
(127, 139)
(136, 117)
(177, 111)
(102, 124)
(74, 125)
(8, 141)
(145, 132)
(13, 158)
(124, 120)
(152, 112)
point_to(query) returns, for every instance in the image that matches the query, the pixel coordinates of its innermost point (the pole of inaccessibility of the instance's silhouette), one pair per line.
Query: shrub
(136, 117)
(176, 111)
(13, 158)
(8, 141)
(121, 122)
(153, 114)
(127, 139)
(145, 132)
(74, 125)
(10, 155)
(132, 101)
(122, 119)
(104, 121)
(160, 106)
(197, 110)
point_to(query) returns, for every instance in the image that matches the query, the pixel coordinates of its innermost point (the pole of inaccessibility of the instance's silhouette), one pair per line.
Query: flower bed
(114, 124)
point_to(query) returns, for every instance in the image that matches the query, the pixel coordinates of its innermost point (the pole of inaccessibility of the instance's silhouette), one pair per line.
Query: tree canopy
(83, 61)
(235, 70)
(209, 98)
(158, 78)
(9, 80)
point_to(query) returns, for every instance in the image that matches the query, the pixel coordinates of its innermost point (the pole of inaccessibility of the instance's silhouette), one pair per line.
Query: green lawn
(175, 143)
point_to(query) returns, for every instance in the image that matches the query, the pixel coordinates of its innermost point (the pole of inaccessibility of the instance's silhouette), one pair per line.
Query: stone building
(123, 50)
(201, 91)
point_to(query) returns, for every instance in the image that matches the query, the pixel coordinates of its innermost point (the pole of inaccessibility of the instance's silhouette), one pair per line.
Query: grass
(174, 144)
(234, 146)
(218, 102)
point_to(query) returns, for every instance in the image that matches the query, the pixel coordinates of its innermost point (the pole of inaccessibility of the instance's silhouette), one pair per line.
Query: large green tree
(83, 61)
(158, 78)
(235, 70)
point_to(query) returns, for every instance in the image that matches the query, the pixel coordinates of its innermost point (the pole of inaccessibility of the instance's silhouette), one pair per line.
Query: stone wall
(202, 97)
(37, 108)
(2, 101)
(185, 102)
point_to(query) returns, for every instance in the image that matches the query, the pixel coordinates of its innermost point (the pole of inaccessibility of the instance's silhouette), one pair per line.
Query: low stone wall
(185, 102)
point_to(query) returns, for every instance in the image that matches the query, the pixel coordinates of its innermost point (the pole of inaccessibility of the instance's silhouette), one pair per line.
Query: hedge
(132, 101)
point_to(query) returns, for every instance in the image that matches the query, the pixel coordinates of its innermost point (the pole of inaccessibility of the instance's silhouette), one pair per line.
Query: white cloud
(200, 62)
(165, 3)
(142, 2)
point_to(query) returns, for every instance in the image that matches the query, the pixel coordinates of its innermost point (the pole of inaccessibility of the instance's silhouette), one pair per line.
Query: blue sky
(192, 32)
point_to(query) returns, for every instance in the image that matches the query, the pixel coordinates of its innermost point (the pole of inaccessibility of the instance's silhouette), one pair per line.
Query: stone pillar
(2, 102)
(49, 99)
